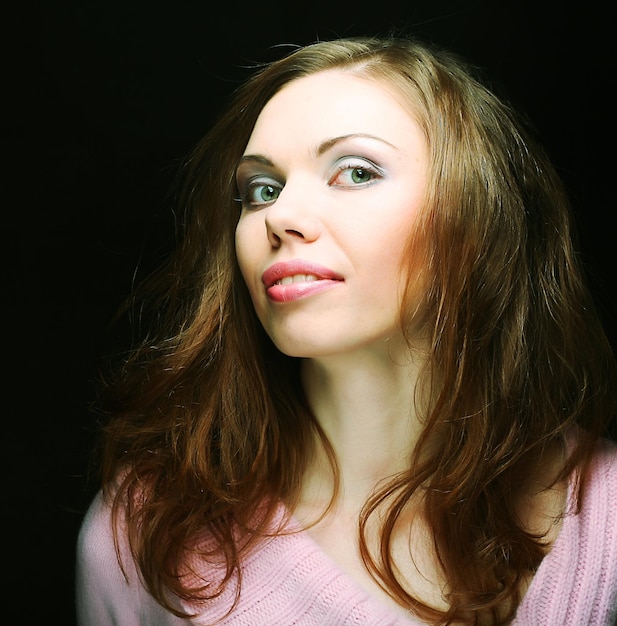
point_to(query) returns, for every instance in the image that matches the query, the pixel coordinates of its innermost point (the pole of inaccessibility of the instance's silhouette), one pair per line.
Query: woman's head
(489, 200)
(331, 182)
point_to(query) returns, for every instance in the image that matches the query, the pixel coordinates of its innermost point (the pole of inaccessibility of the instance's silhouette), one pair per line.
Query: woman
(375, 389)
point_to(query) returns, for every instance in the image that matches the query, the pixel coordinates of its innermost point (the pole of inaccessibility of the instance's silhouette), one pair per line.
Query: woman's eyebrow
(258, 158)
(325, 145)
(322, 148)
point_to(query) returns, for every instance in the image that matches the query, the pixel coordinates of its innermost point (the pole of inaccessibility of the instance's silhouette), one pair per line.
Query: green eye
(266, 193)
(355, 172)
(258, 193)
(361, 175)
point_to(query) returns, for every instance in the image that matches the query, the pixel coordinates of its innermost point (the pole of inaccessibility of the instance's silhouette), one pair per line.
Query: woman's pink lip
(325, 278)
(296, 291)
(284, 269)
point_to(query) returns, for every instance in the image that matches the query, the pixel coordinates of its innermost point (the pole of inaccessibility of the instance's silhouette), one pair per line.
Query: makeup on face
(332, 178)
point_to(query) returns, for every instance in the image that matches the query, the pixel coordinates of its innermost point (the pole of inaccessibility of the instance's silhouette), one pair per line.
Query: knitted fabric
(291, 581)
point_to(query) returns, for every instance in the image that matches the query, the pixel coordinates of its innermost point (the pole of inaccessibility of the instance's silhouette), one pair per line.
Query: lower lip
(296, 291)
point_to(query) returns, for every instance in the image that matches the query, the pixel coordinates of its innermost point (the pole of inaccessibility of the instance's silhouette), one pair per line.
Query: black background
(101, 101)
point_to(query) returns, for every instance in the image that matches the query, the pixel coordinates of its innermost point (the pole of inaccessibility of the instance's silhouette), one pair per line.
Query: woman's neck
(366, 405)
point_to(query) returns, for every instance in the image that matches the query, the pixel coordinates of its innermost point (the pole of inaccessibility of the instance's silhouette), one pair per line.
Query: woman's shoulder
(599, 501)
(99, 577)
(592, 525)
(576, 582)
(599, 496)
(108, 587)
(605, 457)
(96, 549)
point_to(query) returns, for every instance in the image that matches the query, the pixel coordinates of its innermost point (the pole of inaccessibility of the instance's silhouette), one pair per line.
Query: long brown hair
(209, 427)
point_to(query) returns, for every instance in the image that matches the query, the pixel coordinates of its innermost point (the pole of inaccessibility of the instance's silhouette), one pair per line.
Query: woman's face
(331, 181)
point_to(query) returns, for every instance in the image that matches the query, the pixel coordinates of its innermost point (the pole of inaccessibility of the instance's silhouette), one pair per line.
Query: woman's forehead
(333, 103)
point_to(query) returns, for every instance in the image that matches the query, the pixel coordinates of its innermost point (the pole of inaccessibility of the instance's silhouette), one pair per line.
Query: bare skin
(367, 454)
(362, 403)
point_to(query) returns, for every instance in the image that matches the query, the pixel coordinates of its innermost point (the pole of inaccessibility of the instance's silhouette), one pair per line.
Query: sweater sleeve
(105, 596)
(577, 581)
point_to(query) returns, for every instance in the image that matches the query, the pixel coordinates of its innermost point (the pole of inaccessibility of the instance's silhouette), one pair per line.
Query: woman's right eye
(258, 193)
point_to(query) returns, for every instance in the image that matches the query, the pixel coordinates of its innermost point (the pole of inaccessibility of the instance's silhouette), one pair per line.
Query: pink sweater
(291, 581)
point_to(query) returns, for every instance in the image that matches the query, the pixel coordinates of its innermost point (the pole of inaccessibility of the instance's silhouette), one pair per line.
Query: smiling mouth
(297, 271)
(297, 278)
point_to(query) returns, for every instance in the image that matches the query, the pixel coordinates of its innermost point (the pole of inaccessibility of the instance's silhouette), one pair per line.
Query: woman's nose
(291, 218)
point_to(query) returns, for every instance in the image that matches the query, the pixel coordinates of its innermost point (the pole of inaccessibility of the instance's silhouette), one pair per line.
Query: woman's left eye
(354, 174)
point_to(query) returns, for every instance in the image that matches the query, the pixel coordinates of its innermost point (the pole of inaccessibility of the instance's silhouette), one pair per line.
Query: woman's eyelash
(359, 165)
(247, 190)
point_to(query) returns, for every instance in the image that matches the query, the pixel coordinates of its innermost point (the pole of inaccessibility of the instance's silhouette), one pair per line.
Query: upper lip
(297, 266)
